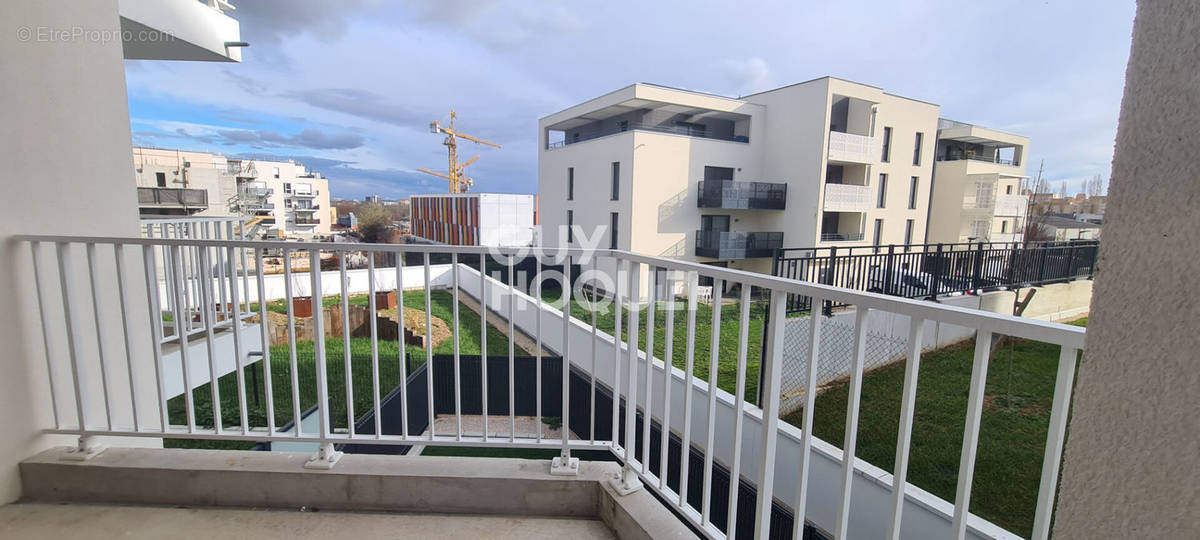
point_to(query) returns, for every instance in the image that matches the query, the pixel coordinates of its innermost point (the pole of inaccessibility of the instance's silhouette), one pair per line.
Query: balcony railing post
(564, 464)
(939, 269)
(888, 288)
(977, 271)
(772, 371)
(627, 482)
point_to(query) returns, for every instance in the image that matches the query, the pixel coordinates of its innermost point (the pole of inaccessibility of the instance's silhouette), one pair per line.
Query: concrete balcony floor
(39, 520)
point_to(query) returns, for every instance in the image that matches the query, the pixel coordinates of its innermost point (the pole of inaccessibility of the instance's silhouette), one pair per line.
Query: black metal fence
(932, 270)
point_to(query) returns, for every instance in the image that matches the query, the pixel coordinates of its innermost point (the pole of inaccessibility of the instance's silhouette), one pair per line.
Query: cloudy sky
(349, 87)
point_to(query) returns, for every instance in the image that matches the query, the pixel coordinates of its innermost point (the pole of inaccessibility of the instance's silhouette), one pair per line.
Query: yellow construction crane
(459, 182)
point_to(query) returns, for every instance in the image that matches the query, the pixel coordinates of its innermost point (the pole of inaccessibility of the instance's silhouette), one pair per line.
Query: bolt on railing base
(564, 465)
(625, 482)
(325, 458)
(85, 449)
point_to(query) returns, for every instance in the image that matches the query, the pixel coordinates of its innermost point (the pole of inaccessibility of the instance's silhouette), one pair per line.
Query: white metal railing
(847, 198)
(183, 312)
(852, 148)
(677, 399)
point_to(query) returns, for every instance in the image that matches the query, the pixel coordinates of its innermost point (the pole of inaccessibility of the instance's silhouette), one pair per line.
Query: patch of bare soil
(414, 321)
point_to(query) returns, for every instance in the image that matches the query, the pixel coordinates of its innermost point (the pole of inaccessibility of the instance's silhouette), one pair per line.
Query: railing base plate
(324, 460)
(83, 454)
(568, 468)
(625, 484)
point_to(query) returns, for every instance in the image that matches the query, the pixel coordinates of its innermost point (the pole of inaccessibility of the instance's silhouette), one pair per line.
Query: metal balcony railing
(732, 195)
(841, 236)
(853, 148)
(958, 156)
(172, 197)
(689, 131)
(737, 245)
(605, 393)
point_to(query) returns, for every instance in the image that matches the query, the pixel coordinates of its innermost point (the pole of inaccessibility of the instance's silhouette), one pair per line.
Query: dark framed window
(912, 193)
(908, 232)
(878, 236)
(616, 180)
(612, 227)
(887, 144)
(570, 183)
(161, 179)
(881, 199)
(917, 148)
(570, 225)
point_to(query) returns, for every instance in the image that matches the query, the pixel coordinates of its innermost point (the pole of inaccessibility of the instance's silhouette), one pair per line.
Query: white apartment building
(977, 185)
(724, 181)
(284, 196)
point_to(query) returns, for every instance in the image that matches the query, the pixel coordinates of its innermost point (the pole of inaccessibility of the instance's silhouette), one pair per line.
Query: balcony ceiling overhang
(632, 105)
(179, 30)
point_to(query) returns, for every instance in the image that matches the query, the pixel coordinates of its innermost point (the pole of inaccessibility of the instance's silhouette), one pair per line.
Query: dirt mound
(414, 321)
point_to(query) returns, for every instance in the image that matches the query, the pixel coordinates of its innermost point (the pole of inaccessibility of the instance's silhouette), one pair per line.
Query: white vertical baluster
(512, 300)
(738, 411)
(101, 341)
(689, 374)
(966, 465)
(404, 409)
(314, 271)
(239, 352)
(622, 269)
(429, 348)
(595, 308)
(853, 402)
(457, 341)
(347, 367)
(629, 475)
(714, 359)
(668, 369)
(222, 284)
(772, 371)
(245, 269)
(537, 368)
(566, 362)
(206, 312)
(150, 267)
(373, 314)
(126, 334)
(908, 403)
(810, 400)
(268, 383)
(179, 312)
(647, 406)
(483, 332)
(1055, 436)
(291, 330)
(35, 249)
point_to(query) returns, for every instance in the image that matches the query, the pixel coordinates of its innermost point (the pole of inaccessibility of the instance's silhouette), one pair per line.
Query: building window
(887, 145)
(908, 232)
(161, 178)
(287, 187)
(612, 228)
(623, 125)
(912, 193)
(1004, 227)
(878, 233)
(917, 148)
(881, 200)
(570, 183)
(616, 180)
(1008, 190)
(570, 224)
(276, 172)
(575, 137)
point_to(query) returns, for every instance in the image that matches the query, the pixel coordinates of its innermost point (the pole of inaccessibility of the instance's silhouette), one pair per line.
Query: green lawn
(1016, 416)
(441, 303)
(727, 350)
